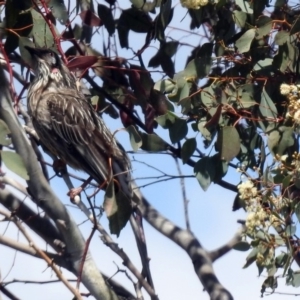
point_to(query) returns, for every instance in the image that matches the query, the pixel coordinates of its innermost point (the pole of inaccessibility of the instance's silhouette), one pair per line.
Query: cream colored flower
(247, 190)
(275, 221)
(293, 88)
(297, 116)
(203, 2)
(193, 4)
(285, 89)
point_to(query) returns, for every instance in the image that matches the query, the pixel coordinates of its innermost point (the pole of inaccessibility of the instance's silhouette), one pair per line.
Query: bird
(68, 126)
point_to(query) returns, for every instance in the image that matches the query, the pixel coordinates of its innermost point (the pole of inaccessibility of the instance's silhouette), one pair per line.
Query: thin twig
(219, 252)
(108, 241)
(184, 198)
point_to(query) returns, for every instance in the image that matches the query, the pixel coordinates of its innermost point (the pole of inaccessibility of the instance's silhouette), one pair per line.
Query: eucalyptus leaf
(4, 131)
(188, 149)
(117, 208)
(239, 18)
(15, 163)
(135, 138)
(242, 246)
(178, 130)
(243, 44)
(204, 171)
(153, 143)
(228, 143)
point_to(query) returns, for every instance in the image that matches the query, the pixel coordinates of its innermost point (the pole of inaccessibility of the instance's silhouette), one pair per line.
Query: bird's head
(48, 65)
(45, 61)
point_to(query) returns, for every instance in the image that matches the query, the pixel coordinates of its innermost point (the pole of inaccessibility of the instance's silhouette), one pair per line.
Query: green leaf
(238, 203)
(135, 138)
(221, 167)
(270, 282)
(178, 130)
(264, 25)
(247, 100)
(166, 120)
(281, 260)
(163, 19)
(244, 6)
(273, 140)
(59, 10)
(204, 171)
(296, 279)
(167, 49)
(198, 68)
(242, 246)
(293, 278)
(4, 131)
(286, 140)
(251, 258)
(207, 97)
(239, 18)
(117, 208)
(281, 37)
(267, 107)
(243, 44)
(41, 32)
(135, 20)
(290, 230)
(280, 139)
(165, 85)
(204, 131)
(18, 21)
(153, 143)
(296, 26)
(286, 181)
(268, 180)
(228, 143)
(279, 241)
(105, 14)
(14, 162)
(188, 149)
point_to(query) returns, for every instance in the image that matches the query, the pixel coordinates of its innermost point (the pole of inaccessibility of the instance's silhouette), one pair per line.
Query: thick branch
(186, 240)
(42, 226)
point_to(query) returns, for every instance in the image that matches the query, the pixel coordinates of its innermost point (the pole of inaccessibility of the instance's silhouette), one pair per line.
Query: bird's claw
(74, 192)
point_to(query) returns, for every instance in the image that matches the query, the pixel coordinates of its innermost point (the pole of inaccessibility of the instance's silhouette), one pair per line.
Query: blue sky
(211, 217)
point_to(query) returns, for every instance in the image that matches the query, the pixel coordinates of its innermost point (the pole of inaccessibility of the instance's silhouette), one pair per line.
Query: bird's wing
(74, 120)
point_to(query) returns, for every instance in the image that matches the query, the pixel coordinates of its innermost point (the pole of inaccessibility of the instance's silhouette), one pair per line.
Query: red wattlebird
(68, 126)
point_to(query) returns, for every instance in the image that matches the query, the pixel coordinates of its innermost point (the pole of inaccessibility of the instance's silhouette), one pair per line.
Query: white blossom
(297, 116)
(193, 4)
(293, 88)
(284, 89)
(247, 190)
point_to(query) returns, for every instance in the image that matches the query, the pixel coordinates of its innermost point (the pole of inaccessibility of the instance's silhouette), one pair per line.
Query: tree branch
(58, 259)
(215, 254)
(187, 241)
(42, 226)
